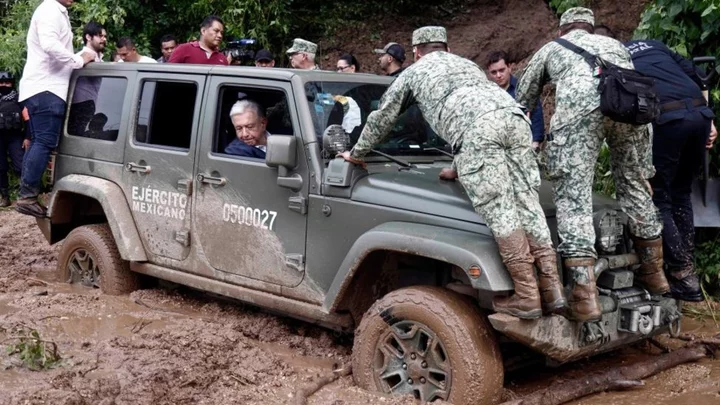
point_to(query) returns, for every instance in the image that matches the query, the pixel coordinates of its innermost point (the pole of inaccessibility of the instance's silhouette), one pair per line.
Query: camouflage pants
(497, 168)
(569, 160)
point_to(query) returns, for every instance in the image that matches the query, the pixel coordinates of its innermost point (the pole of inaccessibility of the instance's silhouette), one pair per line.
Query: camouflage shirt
(452, 93)
(576, 87)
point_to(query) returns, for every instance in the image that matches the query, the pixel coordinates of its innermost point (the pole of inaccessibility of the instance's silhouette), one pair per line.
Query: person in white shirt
(128, 53)
(43, 91)
(87, 87)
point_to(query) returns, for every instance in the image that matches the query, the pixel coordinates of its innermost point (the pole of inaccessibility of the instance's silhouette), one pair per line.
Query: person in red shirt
(206, 50)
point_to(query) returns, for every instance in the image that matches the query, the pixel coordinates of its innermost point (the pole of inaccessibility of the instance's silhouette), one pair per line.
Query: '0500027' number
(237, 214)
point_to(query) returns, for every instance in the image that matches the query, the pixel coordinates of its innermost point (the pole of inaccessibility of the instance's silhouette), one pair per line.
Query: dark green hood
(420, 190)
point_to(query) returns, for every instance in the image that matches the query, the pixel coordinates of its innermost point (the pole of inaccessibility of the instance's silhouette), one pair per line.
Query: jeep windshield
(349, 104)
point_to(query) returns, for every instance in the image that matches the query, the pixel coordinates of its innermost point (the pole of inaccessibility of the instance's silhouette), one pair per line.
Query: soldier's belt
(682, 104)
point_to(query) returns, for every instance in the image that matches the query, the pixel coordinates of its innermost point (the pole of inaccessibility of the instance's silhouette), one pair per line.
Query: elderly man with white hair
(250, 123)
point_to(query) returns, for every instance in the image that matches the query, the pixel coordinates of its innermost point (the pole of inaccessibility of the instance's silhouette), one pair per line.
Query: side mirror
(281, 153)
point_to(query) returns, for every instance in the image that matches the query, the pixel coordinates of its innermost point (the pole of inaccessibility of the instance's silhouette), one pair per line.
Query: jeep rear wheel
(89, 256)
(431, 343)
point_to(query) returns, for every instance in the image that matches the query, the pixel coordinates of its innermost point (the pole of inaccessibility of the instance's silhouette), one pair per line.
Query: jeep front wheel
(429, 342)
(90, 257)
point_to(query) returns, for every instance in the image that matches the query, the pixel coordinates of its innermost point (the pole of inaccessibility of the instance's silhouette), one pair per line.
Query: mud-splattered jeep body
(143, 186)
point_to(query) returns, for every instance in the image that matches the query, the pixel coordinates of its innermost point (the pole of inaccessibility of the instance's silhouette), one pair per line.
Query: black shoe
(687, 289)
(30, 207)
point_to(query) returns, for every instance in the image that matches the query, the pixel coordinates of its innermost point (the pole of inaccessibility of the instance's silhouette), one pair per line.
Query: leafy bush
(560, 6)
(604, 182)
(35, 353)
(707, 263)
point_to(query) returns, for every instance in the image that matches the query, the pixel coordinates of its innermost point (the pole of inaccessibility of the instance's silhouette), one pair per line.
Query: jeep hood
(420, 190)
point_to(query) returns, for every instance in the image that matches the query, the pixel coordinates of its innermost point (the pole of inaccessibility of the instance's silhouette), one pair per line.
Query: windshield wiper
(446, 153)
(392, 158)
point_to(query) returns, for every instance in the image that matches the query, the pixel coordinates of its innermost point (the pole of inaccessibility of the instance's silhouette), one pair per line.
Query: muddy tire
(429, 342)
(89, 256)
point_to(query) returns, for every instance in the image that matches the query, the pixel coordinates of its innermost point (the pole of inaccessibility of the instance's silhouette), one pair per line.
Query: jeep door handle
(215, 181)
(134, 167)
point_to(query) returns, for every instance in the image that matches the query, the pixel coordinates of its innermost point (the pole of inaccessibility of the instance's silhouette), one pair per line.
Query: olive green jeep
(143, 186)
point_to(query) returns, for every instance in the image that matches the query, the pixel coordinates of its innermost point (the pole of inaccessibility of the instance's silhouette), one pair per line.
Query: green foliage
(274, 23)
(35, 353)
(707, 264)
(604, 182)
(561, 6)
(689, 27)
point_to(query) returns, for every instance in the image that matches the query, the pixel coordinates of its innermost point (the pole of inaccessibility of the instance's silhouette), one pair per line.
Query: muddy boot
(4, 201)
(525, 302)
(583, 297)
(685, 284)
(551, 290)
(650, 275)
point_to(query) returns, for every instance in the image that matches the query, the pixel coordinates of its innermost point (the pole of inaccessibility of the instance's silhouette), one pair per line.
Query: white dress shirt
(50, 57)
(143, 59)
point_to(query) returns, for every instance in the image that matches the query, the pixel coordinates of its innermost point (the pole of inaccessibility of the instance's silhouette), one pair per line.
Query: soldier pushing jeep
(490, 136)
(577, 131)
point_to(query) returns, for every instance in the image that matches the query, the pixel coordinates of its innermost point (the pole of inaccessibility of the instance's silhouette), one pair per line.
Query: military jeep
(143, 187)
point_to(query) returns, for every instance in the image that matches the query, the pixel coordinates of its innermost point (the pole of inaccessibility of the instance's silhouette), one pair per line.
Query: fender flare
(457, 247)
(114, 204)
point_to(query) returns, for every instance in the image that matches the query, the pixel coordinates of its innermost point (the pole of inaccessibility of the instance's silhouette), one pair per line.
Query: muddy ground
(170, 345)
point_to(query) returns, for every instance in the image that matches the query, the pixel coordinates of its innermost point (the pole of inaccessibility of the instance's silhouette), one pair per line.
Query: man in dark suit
(250, 123)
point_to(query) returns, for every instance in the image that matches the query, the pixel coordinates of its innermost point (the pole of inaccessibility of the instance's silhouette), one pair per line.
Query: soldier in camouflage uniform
(494, 161)
(302, 54)
(577, 131)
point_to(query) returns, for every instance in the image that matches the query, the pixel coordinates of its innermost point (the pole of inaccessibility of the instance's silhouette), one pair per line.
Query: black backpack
(626, 95)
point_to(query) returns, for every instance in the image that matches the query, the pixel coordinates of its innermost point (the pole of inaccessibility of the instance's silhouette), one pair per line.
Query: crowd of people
(492, 120)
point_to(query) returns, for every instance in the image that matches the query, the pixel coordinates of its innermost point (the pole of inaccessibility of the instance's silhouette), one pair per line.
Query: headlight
(608, 229)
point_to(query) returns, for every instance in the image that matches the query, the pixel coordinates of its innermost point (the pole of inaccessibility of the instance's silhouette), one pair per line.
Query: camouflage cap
(577, 14)
(301, 45)
(426, 35)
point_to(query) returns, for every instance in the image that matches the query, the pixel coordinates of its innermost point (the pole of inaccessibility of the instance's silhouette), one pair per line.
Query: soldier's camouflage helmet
(577, 14)
(301, 45)
(426, 35)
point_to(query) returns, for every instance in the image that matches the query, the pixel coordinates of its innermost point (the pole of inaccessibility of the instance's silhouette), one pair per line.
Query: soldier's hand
(536, 146)
(712, 137)
(348, 157)
(26, 144)
(87, 57)
(448, 174)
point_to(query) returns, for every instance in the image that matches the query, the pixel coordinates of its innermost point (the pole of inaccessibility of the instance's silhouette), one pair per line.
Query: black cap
(263, 55)
(393, 49)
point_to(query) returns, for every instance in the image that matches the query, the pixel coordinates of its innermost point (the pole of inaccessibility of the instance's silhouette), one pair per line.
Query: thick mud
(171, 345)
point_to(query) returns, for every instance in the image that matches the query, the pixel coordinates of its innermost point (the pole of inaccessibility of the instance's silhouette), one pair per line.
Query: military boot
(685, 284)
(525, 302)
(583, 298)
(551, 289)
(650, 275)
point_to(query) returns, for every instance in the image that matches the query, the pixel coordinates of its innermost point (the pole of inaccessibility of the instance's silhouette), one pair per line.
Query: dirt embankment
(519, 27)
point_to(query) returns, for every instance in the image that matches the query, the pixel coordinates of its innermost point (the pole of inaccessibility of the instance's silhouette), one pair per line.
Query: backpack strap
(591, 59)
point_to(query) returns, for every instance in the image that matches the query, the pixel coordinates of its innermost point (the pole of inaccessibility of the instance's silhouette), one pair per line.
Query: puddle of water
(101, 327)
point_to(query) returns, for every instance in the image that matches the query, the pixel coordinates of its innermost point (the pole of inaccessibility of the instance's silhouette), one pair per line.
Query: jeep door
(159, 160)
(245, 223)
